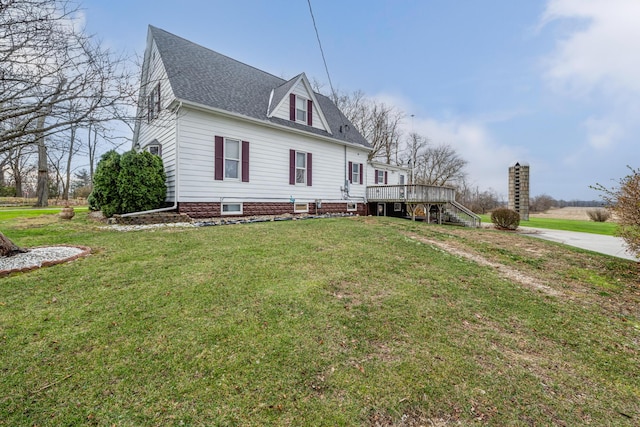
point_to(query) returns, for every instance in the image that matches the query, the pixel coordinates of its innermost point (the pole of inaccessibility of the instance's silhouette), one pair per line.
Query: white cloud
(603, 133)
(598, 62)
(603, 54)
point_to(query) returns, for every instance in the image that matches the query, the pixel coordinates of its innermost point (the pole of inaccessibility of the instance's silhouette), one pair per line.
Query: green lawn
(606, 228)
(316, 322)
(11, 213)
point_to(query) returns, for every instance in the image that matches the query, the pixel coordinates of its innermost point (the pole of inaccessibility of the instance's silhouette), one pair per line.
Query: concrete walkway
(609, 245)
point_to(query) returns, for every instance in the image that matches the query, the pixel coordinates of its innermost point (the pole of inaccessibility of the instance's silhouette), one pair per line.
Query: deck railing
(411, 194)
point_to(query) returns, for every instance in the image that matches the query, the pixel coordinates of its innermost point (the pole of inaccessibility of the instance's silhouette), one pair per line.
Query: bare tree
(541, 203)
(378, 123)
(20, 163)
(48, 62)
(49, 66)
(440, 165)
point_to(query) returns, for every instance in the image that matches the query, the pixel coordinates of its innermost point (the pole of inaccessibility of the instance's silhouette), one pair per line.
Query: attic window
(301, 109)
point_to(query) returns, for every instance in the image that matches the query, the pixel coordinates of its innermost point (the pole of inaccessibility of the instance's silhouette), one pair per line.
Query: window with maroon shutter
(245, 161)
(361, 173)
(219, 158)
(351, 172)
(309, 170)
(310, 112)
(386, 176)
(375, 176)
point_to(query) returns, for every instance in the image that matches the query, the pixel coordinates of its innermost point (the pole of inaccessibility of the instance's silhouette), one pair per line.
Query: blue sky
(553, 83)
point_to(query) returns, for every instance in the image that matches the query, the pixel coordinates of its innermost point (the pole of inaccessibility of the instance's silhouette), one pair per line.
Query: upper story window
(401, 179)
(231, 158)
(153, 103)
(380, 177)
(301, 167)
(301, 109)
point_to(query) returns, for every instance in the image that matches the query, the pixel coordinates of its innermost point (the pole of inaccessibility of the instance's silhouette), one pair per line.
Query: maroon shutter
(245, 161)
(386, 177)
(292, 107)
(219, 158)
(309, 169)
(292, 167)
(310, 112)
(351, 172)
(361, 173)
(375, 176)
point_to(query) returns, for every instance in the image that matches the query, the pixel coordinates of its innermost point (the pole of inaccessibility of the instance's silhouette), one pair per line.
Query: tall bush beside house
(141, 182)
(105, 195)
(128, 183)
(505, 219)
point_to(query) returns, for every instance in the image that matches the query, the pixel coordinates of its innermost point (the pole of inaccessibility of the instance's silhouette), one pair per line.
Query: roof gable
(209, 79)
(280, 97)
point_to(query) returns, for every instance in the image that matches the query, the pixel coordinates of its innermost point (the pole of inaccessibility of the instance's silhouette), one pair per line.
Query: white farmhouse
(236, 140)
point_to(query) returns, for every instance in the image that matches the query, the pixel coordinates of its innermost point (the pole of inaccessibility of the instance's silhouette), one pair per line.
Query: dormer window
(301, 109)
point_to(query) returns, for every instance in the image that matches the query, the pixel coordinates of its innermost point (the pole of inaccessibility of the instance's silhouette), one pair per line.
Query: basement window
(300, 207)
(232, 209)
(352, 206)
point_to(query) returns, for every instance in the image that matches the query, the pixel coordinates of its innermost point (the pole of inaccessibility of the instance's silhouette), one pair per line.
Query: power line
(333, 93)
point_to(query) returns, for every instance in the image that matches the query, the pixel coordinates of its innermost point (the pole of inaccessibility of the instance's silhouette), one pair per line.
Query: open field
(353, 321)
(569, 219)
(565, 213)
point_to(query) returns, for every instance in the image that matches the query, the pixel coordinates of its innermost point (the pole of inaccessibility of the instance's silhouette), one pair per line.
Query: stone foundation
(212, 210)
(147, 219)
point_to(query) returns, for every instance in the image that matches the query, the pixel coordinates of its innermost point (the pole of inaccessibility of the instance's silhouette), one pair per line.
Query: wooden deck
(411, 194)
(425, 197)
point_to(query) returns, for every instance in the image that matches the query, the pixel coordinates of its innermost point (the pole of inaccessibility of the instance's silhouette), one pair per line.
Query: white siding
(393, 174)
(163, 127)
(268, 162)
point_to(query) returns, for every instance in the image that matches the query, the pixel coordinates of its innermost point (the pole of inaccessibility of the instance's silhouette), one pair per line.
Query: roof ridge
(222, 54)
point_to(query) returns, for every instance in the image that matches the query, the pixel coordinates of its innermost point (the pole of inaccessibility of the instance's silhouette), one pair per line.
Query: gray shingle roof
(205, 77)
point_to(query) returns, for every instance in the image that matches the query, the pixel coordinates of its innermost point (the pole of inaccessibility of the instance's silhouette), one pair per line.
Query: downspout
(177, 175)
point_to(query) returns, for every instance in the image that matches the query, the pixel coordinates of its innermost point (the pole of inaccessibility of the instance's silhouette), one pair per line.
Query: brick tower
(519, 189)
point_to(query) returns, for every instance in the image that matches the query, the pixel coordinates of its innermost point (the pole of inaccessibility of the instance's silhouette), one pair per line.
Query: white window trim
(397, 207)
(222, 211)
(355, 176)
(304, 175)
(152, 146)
(225, 158)
(305, 103)
(297, 205)
(380, 176)
(352, 206)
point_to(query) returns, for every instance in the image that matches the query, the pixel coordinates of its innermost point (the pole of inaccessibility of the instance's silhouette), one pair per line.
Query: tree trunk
(42, 191)
(67, 181)
(8, 248)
